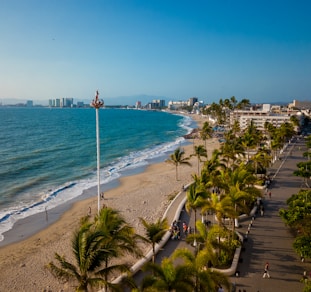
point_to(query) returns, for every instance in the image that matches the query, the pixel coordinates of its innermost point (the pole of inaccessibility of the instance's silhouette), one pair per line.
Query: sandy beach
(144, 195)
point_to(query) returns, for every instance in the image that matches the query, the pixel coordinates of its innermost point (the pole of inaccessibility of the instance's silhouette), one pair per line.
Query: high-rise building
(157, 103)
(192, 101)
(138, 104)
(66, 102)
(29, 103)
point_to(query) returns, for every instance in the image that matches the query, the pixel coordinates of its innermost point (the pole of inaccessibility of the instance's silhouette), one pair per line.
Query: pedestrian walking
(304, 277)
(266, 272)
(185, 228)
(270, 195)
(262, 210)
(46, 214)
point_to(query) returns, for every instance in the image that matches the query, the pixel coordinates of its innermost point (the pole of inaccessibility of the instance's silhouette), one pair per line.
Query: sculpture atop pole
(97, 104)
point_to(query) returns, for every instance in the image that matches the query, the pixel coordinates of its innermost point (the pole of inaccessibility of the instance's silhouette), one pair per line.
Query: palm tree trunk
(195, 220)
(198, 165)
(153, 253)
(106, 276)
(235, 221)
(247, 150)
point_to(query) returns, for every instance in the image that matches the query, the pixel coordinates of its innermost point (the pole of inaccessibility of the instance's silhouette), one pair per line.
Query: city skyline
(173, 49)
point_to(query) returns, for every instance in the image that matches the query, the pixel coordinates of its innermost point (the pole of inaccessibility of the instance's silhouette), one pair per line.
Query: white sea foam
(72, 190)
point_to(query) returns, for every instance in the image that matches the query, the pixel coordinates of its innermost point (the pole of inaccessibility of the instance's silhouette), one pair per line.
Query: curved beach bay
(144, 194)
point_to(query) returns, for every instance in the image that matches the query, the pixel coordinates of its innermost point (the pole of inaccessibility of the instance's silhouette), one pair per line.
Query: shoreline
(25, 227)
(145, 194)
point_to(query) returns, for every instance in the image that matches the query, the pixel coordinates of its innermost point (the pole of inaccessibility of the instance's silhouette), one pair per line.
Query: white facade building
(260, 120)
(175, 105)
(258, 117)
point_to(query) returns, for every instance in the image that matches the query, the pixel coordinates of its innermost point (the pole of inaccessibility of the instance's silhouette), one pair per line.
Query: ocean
(48, 155)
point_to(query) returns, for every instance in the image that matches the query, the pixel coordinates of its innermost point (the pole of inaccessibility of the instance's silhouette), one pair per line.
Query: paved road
(269, 239)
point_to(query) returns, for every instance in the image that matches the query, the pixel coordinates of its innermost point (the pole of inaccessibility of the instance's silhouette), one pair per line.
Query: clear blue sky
(260, 50)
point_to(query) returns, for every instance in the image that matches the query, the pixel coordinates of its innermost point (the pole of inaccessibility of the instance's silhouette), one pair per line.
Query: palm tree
(206, 132)
(155, 232)
(119, 238)
(240, 174)
(200, 151)
(217, 112)
(243, 104)
(94, 245)
(269, 132)
(211, 168)
(204, 279)
(248, 142)
(177, 158)
(232, 150)
(167, 277)
(233, 102)
(228, 104)
(236, 129)
(196, 195)
(220, 238)
(201, 240)
(237, 198)
(221, 206)
(262, 159)
(276, 144)
(87, 256)
(237, 186)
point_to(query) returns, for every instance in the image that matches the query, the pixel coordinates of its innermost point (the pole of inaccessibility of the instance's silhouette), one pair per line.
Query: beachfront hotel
(265, 113)
(176, 105)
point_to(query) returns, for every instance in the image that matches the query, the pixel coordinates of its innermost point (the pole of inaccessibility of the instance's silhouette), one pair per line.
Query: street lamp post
(97, 104)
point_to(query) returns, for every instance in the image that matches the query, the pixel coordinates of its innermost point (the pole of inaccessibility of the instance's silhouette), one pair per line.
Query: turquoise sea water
(48, 156)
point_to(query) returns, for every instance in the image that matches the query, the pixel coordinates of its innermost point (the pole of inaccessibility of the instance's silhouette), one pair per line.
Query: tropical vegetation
(96, 245)
(224, 185)
(178, 158)
(298, 217)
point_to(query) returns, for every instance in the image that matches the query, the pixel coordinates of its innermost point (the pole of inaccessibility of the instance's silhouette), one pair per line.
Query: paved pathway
(269, 239)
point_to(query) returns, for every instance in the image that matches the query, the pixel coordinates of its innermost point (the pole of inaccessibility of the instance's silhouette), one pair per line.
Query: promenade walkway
(269, 239)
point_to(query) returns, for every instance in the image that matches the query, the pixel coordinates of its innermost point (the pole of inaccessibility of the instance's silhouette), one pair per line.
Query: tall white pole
(98, 161)
(97, 104)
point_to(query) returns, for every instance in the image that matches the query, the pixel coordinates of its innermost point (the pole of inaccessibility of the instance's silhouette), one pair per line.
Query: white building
(260, 120)
(259, 117)
(176, 105)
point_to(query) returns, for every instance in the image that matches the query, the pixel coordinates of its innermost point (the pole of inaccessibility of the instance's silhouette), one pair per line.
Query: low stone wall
(231, 271)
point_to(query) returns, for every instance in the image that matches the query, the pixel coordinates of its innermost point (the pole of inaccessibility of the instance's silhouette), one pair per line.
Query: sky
(259, 50)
